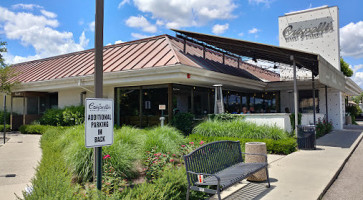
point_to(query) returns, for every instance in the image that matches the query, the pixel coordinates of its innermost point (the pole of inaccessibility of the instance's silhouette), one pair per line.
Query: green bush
(240, 129)
(53, 117)
(52, 179)
(166, 139)
(172, 185)
(225, 117)
(68, 116)
(282, 146)
(33, 129)
(2, 117)
(183, 122)
(7, 127)
(292, 120)
(323, 127)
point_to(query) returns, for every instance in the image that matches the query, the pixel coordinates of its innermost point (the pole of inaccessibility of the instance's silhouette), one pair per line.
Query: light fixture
(275, 66)
(254, 59)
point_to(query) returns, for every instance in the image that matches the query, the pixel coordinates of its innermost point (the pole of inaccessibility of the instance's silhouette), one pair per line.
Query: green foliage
(155, 162)
(2, 117)
(166, 139)
(344, 67)
(68, 116)
(2, 50)
(7, 127)
(323, 127)
(172, 185)
(238, 128)
(52, 180)
(282, 146)
(225, 117)
(292, 120)
(183, 122)
(353, 110)
(33, 129)
(73, 115)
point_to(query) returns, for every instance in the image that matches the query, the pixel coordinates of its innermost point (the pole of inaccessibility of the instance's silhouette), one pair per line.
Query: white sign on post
(98, 122)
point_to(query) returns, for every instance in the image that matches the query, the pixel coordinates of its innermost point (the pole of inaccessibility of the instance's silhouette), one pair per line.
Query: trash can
(258, 148)
(306, 137)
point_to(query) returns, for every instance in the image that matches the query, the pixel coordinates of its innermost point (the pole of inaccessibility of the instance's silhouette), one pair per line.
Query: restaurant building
(180, 72)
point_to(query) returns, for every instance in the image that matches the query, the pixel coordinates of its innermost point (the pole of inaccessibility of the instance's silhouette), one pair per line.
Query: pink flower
(171, 160)
(183, 145)
(154, 161)
(191, 142)
(201, 142)
(173, 155)
(106, 156)
(164, 155)
(156, 154)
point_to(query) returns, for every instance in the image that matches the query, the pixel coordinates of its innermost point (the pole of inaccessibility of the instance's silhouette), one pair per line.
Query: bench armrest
(205, 174)
(256, 154)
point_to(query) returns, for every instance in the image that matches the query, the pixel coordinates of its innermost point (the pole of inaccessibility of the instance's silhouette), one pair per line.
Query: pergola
(328, 75)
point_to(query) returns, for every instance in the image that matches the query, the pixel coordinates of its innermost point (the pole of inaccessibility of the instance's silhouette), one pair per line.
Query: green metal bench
(219, 164)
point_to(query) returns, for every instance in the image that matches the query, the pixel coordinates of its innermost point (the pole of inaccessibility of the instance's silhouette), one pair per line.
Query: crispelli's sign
(310, 29)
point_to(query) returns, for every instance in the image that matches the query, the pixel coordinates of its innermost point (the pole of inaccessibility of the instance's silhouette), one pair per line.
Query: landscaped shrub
(33, 129)
(183, 122)
(225, 117)
(68, 116)
(282, 146)
(53, 117)
(323, 127)
(166, 139)
(2, 117)
(172, 185)
(240, 129)
(7, 127)
(73, 115)
(52, 179)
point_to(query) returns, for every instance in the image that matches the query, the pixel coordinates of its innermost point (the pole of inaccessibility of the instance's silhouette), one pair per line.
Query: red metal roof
(150, 52)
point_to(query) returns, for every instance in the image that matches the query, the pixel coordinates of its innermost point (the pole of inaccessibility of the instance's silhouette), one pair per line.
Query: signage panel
(98, 122)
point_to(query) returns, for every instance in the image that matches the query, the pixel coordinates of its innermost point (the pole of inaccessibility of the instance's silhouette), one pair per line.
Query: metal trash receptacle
(306, 138)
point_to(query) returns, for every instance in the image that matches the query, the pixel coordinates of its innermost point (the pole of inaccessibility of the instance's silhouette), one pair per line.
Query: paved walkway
(19, 156)
(303, 175)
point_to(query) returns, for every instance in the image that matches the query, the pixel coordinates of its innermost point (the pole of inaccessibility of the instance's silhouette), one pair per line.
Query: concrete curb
(355, 145)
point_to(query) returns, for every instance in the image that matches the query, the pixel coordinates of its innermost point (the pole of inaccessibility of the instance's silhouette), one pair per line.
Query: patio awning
(328, 75)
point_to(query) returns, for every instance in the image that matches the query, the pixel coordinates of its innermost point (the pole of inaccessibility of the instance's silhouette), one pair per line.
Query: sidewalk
(19, 156)
(303, 175)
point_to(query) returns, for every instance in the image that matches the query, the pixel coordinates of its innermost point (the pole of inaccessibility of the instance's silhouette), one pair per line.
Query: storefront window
(306, 101)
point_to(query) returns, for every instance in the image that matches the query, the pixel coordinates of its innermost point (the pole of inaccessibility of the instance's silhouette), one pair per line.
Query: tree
(7, 73)
(344, 67)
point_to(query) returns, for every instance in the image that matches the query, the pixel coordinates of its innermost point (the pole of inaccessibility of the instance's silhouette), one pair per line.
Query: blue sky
(38, 28)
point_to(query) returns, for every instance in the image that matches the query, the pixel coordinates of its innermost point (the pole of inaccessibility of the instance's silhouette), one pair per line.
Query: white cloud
(39, 32)
(140, 36)
(48, 14)
(141, 22)
(257, 2)
(122, 3)
(220, 28)
(118, 41)
(358, 78)
(26, 6)
(91, 26)
(351, 40)
(181, 13)
(253, 31)
(159, 22)
(241, 34)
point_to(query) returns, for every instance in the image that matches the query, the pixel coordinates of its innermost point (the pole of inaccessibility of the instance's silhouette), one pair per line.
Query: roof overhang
(149, 76)
(351, 88)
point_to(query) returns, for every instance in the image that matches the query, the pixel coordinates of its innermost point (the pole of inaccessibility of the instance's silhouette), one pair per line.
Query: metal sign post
(4, 119)
(98, 77)
(162, 118)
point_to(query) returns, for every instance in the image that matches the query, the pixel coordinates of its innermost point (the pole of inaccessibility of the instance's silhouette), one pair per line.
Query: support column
(170, 102)
(326, 103)
(140, 105)
(11, 112)
(192, 100)
(314, 108)
(24, 109)
(295, 94)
